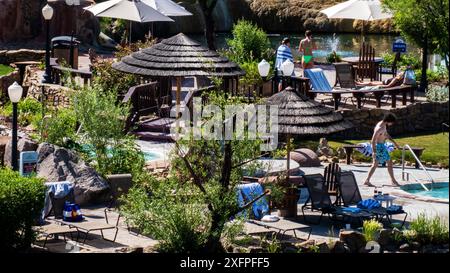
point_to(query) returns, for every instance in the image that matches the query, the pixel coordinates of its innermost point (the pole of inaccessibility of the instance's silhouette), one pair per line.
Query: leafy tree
(425, 22)
(194, 206)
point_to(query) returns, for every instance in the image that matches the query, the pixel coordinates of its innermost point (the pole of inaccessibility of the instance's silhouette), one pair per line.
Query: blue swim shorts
(382, 153)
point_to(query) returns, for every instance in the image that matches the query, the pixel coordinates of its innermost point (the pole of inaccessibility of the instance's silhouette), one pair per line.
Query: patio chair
(351, 196)
(386, 69)
(331, 174)
(366, 68)
(248, 192)
(321, 201)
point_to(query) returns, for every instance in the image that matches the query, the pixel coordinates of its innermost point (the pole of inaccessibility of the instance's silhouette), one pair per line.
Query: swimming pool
(151, 156)
(437, 190)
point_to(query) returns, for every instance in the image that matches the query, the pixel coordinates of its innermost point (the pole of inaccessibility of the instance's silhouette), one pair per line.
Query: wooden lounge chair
(279, 227)
(351, 196)
(319, 85)
(331, 174)
(50, 228)
(321, 201)
(86, 226)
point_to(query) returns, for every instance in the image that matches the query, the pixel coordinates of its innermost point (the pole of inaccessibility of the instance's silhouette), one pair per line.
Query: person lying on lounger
(392, 82)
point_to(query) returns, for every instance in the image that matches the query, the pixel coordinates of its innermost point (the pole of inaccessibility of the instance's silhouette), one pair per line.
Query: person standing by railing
(380, 154)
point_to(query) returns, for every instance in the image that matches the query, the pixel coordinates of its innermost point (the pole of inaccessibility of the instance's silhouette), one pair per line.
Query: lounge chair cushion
(369, 204)
(318, 80)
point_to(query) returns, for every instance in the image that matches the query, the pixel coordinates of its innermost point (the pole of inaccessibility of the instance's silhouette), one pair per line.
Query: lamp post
(287, 68)
(47, 13)
(263, 70)
(15, 94)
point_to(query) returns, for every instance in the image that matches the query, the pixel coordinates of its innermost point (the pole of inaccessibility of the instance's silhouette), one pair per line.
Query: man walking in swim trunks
(306, 47)
(380, 153)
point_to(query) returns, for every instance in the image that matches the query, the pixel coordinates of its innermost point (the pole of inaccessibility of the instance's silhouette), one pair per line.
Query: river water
(345, 44)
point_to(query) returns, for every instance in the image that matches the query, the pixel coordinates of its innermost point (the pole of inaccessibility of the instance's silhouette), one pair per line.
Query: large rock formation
(21, 21)
(59, 164)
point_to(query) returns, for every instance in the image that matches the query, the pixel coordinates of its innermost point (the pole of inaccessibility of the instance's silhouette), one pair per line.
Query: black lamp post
(47, 13)
(15, 94)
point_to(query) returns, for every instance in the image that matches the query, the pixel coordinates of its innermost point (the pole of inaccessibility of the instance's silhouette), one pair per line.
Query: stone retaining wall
(417, 117)
(55, 96)
(5, 82)
(21, 55)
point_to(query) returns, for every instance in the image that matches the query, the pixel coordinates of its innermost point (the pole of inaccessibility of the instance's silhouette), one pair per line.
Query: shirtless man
(306, 47)
(380, 153)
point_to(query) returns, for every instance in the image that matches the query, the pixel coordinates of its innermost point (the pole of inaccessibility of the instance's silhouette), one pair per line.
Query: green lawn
(5, 69)
(436, 147)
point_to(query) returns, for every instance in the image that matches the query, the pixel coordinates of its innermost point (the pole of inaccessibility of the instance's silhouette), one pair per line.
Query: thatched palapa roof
(178, 56)
(301, 116)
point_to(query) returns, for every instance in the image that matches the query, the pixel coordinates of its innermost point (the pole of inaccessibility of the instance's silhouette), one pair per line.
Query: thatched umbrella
(301, 116)
(178, 56)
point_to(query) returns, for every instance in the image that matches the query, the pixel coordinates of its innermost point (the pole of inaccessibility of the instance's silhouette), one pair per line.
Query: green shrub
(249, 43)
(333, 57)
(60, 127)
(371, 229)
(29, 111)
(167, 216)
(428, 230)
(21, 201)
(437, 93)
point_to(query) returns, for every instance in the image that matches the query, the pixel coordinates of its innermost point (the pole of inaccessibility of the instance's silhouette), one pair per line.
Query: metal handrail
(420, 164)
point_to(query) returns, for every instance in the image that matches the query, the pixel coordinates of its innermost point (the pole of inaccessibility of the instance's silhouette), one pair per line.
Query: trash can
(65, 48)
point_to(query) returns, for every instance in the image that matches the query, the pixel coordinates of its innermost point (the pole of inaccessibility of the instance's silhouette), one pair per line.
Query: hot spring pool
(438, 190)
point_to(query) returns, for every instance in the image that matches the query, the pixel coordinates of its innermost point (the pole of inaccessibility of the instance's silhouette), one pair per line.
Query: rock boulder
(59, 164)
(23, 145)
(305, 157)
(353, 239)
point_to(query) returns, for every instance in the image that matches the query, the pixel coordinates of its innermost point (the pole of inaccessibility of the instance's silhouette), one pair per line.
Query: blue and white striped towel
(283, 53)
(366, 148)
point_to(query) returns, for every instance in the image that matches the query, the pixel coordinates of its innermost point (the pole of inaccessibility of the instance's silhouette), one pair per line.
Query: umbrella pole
(288, 138)
(178, 98)
(130, 34)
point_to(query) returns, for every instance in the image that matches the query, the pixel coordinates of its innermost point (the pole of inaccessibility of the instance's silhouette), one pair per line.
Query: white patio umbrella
(131, 10)
(366, 10)
(168, 8)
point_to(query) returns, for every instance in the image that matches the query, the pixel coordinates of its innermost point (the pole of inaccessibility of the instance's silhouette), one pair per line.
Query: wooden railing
(145, 99)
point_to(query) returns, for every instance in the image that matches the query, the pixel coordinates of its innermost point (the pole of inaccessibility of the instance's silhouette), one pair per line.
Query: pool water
(439, 190)
(151, 156)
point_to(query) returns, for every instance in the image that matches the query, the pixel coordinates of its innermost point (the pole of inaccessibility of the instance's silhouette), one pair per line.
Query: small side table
(389, 199)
